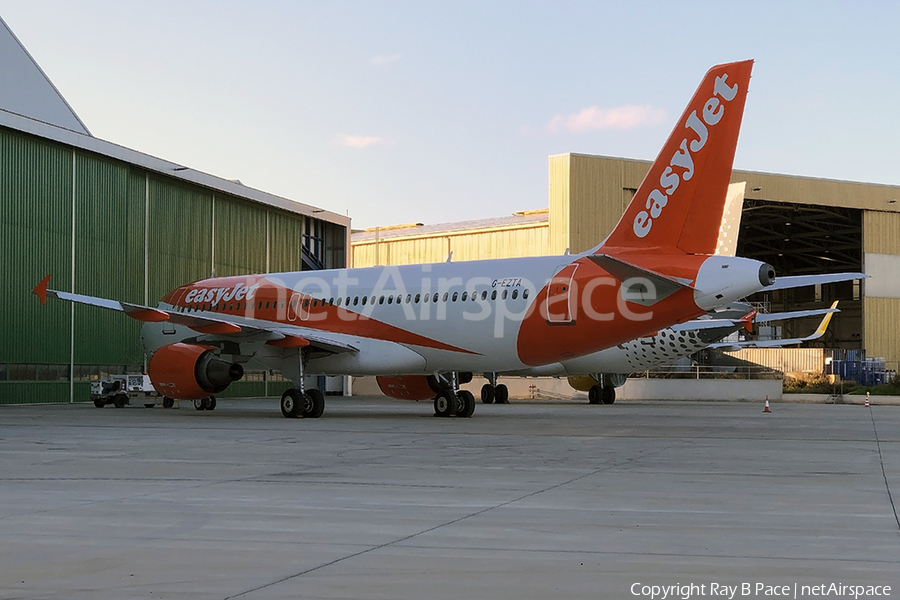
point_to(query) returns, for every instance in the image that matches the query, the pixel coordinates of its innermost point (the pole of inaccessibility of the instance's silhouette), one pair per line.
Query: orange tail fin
(680, 202)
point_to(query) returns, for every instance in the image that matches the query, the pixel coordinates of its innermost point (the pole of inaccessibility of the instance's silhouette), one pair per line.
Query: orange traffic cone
(766, 409)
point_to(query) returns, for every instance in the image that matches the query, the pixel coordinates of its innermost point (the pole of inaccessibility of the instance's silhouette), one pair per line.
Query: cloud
(622, 117)
(362, 141)
(383, 60)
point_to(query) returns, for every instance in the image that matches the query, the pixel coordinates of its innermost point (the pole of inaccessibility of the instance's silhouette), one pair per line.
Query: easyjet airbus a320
(435, 324)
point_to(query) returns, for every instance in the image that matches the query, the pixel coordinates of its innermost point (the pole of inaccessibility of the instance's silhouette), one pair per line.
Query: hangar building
(113, 222)
(800, 225)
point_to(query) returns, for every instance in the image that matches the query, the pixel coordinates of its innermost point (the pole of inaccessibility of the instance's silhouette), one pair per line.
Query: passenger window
(446, 294)
(515, 294)
(426, 298)
(356, 300)
(484, 295)
(434, 298)
(390, 299)
(455, 296)
(365, 300)
(494, 295)
(408, 298)
(525, 294)
(464, 296)
(503, 295)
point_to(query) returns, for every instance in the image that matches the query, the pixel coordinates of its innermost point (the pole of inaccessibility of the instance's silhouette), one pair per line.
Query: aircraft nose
(766, 274)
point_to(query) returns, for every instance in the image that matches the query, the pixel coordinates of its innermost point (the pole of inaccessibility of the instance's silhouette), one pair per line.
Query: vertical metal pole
(72, 329)
(213, 238)
(146, 240)
(146, 250)
(268, 249)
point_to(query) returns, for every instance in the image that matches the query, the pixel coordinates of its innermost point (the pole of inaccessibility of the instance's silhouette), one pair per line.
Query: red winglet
(40, 290)
(747, 320)
(289, 341)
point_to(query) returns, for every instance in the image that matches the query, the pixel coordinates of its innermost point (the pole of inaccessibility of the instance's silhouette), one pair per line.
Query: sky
(404, 112)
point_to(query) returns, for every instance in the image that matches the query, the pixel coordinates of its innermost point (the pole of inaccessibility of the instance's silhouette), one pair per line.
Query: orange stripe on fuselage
(273, 304)
(599, 323)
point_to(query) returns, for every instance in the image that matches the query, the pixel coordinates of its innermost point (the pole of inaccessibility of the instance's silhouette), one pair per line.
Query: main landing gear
(300, 402)
(309, 404)
(451, 400)
(202, 403)
(491, 392)
(601, 395)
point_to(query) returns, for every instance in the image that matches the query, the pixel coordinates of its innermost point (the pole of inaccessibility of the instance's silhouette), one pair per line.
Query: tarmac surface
(379, 499)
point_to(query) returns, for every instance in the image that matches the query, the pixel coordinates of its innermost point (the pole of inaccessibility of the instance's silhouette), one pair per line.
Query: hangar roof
(517, 219)
(28, 90)
(34, 106)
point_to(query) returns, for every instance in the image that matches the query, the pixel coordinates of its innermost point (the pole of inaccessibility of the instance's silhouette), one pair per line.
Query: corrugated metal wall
(531, 239)
(115, 252)
(285, 239)
(180, 236)
(109, 231)
(786, 360)
(881, 328)
(240, 245)
(36, 239)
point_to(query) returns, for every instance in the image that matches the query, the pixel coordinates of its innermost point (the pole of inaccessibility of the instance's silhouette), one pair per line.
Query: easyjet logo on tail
(713, 111)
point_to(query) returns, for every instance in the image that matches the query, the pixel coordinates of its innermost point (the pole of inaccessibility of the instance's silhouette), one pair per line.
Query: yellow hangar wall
(414, 244)
(881, 300)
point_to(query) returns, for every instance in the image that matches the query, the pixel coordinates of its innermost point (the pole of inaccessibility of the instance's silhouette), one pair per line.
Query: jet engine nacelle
(189, 371)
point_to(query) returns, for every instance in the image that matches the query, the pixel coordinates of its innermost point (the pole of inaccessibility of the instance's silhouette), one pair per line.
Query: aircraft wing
(819, 332)
(275, 335)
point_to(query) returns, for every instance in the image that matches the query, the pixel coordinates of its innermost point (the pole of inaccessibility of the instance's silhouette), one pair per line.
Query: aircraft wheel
(211, 403)
(120, 401)
(199, 403)
(595, 394)
(168, 402)
(501, 394)
(313, 404)
(99, 403)
(466, 404)
(291, 403)
(487, 393)
(608, 395)
(445, 404)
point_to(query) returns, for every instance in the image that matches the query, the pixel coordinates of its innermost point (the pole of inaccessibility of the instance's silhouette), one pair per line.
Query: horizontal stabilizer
(795, 281)
(819, 332)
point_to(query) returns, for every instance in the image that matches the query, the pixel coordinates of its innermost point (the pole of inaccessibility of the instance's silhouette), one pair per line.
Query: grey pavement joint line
(453, 522)
(883, 472)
